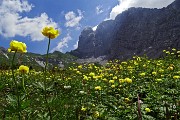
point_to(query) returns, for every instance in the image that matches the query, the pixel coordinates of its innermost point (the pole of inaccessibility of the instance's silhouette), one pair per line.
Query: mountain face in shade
(136, 31)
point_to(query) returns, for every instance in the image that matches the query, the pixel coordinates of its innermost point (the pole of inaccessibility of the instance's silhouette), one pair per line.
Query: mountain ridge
(136, 31)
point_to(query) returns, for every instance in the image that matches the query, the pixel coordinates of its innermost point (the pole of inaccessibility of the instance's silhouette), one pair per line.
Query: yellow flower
(115, 77)
(158, 80)
(23, 69)
(98, 88)
(147, 110)
(126, 100)
(91, 74)
(154, 73)
(111, 81)
(50, 32)
(83, 108)
(128, 80)
(80, 66)
(113, 86)
(96, 114)
(142, 74)
(121, 80)
(17, 46)
(174, 49)
(176, 77)
(170, 68)
(85, 77)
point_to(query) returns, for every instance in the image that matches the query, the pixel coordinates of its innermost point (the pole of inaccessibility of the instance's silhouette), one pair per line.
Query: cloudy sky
(23, 20)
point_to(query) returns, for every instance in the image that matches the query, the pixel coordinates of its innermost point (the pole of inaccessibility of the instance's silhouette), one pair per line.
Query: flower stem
(45, 81)
(17, 92)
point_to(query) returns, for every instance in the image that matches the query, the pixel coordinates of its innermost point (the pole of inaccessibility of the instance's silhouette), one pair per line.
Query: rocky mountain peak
(136, 31)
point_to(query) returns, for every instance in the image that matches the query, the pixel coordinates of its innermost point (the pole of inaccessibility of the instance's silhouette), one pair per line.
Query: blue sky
(23, 20)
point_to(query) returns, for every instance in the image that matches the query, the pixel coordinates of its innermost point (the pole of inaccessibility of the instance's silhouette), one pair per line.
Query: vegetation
(140, 88)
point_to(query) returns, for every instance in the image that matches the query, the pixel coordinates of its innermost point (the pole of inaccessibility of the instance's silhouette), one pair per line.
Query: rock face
(136, 31)
(95, 43)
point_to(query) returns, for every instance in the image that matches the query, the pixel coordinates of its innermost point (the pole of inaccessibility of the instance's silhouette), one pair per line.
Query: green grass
(71, 92)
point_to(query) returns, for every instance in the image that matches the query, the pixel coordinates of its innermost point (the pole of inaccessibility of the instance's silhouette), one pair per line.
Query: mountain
(137, 31)
(36, 61)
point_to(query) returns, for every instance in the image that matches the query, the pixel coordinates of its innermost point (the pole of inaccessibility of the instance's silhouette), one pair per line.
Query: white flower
(67, 87)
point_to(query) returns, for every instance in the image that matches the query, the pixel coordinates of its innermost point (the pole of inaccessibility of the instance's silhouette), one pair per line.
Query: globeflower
(154, 73)
(128, 80)
(83, 108)
(17, 46)
(176, 77)
(50, 32)
(147, 110)
(98, 88)
(23, 69)
(142, 74)
(96, 114)
(111, 81)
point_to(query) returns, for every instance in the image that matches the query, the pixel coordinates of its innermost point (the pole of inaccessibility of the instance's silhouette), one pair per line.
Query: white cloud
(125, 4)
(99, 10)
(12, 23)
(72, 20)
(63, 43)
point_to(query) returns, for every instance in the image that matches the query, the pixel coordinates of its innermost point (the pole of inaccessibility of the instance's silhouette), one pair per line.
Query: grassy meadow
(136, 89)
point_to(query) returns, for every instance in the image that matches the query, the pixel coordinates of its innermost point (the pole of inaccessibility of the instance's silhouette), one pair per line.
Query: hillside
(36, 61)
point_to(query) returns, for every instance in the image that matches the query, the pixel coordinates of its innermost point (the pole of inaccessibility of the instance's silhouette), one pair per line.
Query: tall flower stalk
(50, 33)
(15, 47)
(16, 86)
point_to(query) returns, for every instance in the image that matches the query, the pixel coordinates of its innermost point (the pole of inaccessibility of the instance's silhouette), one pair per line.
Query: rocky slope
(37, 61)
(136, 31)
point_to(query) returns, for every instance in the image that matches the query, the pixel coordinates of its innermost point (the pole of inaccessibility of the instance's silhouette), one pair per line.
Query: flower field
(136, 89)
(90, 91)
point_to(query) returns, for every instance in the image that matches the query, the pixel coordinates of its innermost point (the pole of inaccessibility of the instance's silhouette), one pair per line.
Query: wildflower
(154, 73)
(170, 68)
(111, 81)
(167, 52)
(91, 74)
(142, 74)
(126, 99)
(147, 110)
(17, 46)
(176, 77)
(98, 88)
(67, 87)
(81, 92)
(113, 86)
(83, 108)
(80, 66)
(164, 50)
(174, 49)
(78, 72)
(96, 114)
(121, 80)
(125, 63)
(85, 77)
(50, 32)
(128, 80)
(115, 77)
(23, 69)
(159, 80)
(161, 70)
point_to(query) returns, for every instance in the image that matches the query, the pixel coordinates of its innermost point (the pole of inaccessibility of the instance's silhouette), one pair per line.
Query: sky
(23, 20)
